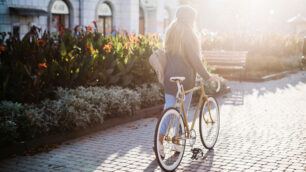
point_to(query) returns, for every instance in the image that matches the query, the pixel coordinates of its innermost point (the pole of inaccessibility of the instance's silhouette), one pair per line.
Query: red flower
(44, 65)
(41, 42)
(90, 48)
(62, 31)
(2, 48)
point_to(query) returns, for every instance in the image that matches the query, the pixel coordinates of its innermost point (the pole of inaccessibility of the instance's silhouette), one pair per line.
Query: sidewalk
(262, 128)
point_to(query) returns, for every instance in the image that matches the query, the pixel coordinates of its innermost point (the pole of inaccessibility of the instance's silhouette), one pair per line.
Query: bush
(267, 52)
(150, 94)
(20, 122)
(74, 109)
(8, 132)
(121, 102)
(259, 44)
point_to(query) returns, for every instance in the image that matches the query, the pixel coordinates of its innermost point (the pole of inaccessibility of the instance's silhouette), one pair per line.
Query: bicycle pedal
(195, 153)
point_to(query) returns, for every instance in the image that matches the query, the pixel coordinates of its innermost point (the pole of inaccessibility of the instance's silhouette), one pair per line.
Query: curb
(277, 75)
(19, 148)
(263, 78)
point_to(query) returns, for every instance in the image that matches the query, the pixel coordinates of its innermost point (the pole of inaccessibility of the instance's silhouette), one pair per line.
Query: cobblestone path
(263, 128)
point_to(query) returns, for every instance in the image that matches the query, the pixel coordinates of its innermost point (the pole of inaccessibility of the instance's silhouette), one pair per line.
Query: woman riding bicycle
(183, 51)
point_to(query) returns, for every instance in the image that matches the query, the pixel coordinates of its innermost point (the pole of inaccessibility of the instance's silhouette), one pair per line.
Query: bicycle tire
(202, 124)
(163, 161)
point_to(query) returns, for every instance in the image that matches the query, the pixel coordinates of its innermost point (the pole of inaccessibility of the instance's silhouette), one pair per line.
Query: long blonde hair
(179, 34)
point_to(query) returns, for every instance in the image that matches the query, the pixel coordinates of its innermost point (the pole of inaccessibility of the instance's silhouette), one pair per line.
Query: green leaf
(63, 50)
(109, 71)
(127, 80)
(26, 69)
(130, 64)
(101, 75)
(5, 84)
(114, 79)
(120, 66)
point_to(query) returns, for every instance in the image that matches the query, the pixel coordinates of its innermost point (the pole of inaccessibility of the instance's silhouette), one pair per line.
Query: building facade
(139, 16)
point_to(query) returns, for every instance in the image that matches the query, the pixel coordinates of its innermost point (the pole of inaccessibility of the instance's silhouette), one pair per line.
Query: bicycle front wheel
(169, 140)
(209, 123)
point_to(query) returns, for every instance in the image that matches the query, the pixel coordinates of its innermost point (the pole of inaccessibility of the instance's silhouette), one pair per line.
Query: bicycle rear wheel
(209, 127)
(169, 140)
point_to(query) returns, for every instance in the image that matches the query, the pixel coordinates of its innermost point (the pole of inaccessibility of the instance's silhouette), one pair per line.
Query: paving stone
(262, 129)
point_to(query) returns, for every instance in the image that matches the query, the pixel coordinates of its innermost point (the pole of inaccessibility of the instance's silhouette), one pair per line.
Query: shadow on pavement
(205, 162)
(235, 97)
(152, 166)
(241, 89)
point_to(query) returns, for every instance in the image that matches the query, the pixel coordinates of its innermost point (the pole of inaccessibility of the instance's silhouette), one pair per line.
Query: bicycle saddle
(177, 78)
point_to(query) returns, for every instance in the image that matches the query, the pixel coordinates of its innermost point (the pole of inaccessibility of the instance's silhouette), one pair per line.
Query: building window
(105, 19)
(60, 16)
(141, 21)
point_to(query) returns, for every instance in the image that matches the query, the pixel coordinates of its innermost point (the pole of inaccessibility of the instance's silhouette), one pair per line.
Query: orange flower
(127, 45)
(131, 37)
(41, 42)
(44, 65)
(107, 48)
(88, 28)
(90, 48)
(150, 36)
(2, 48)
(136, 40)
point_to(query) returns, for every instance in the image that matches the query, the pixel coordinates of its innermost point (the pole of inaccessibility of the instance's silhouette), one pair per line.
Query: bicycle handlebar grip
(219, 86)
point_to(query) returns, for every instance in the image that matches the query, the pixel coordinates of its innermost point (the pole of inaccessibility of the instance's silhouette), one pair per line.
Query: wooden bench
(227, 60)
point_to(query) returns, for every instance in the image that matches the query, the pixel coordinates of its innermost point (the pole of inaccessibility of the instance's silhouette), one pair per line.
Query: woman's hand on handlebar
(213, 78)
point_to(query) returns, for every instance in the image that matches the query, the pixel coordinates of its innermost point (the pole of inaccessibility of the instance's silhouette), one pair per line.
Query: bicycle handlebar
(218, 86)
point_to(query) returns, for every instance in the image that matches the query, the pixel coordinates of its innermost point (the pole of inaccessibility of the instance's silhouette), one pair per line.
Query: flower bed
(52, 86)
(31, 68)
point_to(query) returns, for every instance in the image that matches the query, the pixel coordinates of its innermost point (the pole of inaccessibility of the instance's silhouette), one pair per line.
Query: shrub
(150, 94)
(264, 65)
(267, 52)
(74, 109)
(259, 44)
(20, 122)
(121, 101)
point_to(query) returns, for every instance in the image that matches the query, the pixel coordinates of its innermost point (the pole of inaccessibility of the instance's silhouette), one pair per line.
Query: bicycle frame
(202, 96)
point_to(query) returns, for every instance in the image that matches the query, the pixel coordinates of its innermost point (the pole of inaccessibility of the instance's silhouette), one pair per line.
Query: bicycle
(169, 147)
